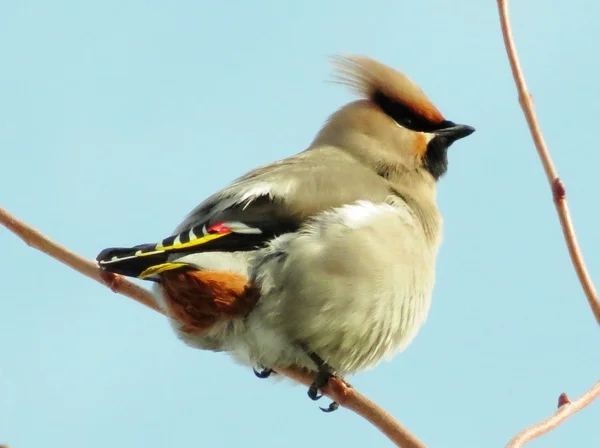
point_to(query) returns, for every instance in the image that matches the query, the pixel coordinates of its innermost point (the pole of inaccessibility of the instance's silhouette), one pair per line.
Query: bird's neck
(420, 195)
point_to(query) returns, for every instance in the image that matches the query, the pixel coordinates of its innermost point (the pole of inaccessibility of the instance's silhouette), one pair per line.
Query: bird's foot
(321, 379)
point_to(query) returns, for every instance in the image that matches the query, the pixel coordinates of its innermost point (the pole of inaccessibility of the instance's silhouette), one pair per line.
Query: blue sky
(117, 117)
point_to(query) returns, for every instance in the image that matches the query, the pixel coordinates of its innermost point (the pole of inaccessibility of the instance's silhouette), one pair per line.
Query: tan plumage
(367, 77)
(346, 233)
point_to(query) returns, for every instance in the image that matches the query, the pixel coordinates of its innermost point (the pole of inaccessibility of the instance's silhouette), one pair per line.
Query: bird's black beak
(436, 158)
(455, 132)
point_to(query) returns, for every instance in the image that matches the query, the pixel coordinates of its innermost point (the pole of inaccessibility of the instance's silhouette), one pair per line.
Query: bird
(324, 260)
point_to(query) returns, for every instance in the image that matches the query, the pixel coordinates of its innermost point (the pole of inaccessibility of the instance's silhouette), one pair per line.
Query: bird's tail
(146, 261)
(134, 262)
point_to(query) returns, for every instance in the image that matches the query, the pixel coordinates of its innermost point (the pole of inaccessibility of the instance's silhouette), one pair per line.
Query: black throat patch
(436, 157)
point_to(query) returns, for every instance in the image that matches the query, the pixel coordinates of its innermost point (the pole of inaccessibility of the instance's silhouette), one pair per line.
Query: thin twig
(348, 397)
(566, 409)
(556, 185)
(40, 242)
(344, 394)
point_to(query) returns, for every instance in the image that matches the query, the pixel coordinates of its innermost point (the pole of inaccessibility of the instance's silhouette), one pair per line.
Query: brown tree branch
(88, 268)
(556, 185)
(566, 408)
(337, 390)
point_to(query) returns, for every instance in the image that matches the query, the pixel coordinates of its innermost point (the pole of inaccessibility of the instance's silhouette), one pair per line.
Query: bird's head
(394, 128)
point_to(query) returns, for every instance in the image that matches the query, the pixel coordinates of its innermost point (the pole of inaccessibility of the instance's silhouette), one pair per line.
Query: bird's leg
(263, 372)
(320, 380)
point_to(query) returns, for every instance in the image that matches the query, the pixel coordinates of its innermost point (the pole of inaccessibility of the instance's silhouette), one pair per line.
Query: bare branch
(556, 185)
(566, 408)
(88, 268)
(348, 397)
(337, 390)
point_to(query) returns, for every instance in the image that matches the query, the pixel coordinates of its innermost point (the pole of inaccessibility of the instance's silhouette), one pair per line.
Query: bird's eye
(406, 122)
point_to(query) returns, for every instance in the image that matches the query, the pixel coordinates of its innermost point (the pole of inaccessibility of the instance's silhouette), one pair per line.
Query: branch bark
(337, 390)
(88, 268)
(556, 185)
(566, 408)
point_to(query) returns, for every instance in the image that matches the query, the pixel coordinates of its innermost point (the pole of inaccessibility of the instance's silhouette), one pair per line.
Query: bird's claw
(322, 376)
(333, 406)
(263, 373)
(321, 379)
(313, 393)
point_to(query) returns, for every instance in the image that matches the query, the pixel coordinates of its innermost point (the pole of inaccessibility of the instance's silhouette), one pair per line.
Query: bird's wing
(267, 202)
(240, 227)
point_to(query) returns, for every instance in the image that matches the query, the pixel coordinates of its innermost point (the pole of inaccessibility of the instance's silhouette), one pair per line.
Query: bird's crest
(371, 79)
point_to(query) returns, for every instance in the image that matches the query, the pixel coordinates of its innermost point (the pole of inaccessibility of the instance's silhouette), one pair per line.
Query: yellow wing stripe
(197, 242)
(163, 267)
(159, 268)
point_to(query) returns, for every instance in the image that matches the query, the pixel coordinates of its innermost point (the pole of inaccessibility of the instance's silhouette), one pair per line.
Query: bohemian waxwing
(324, 260)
